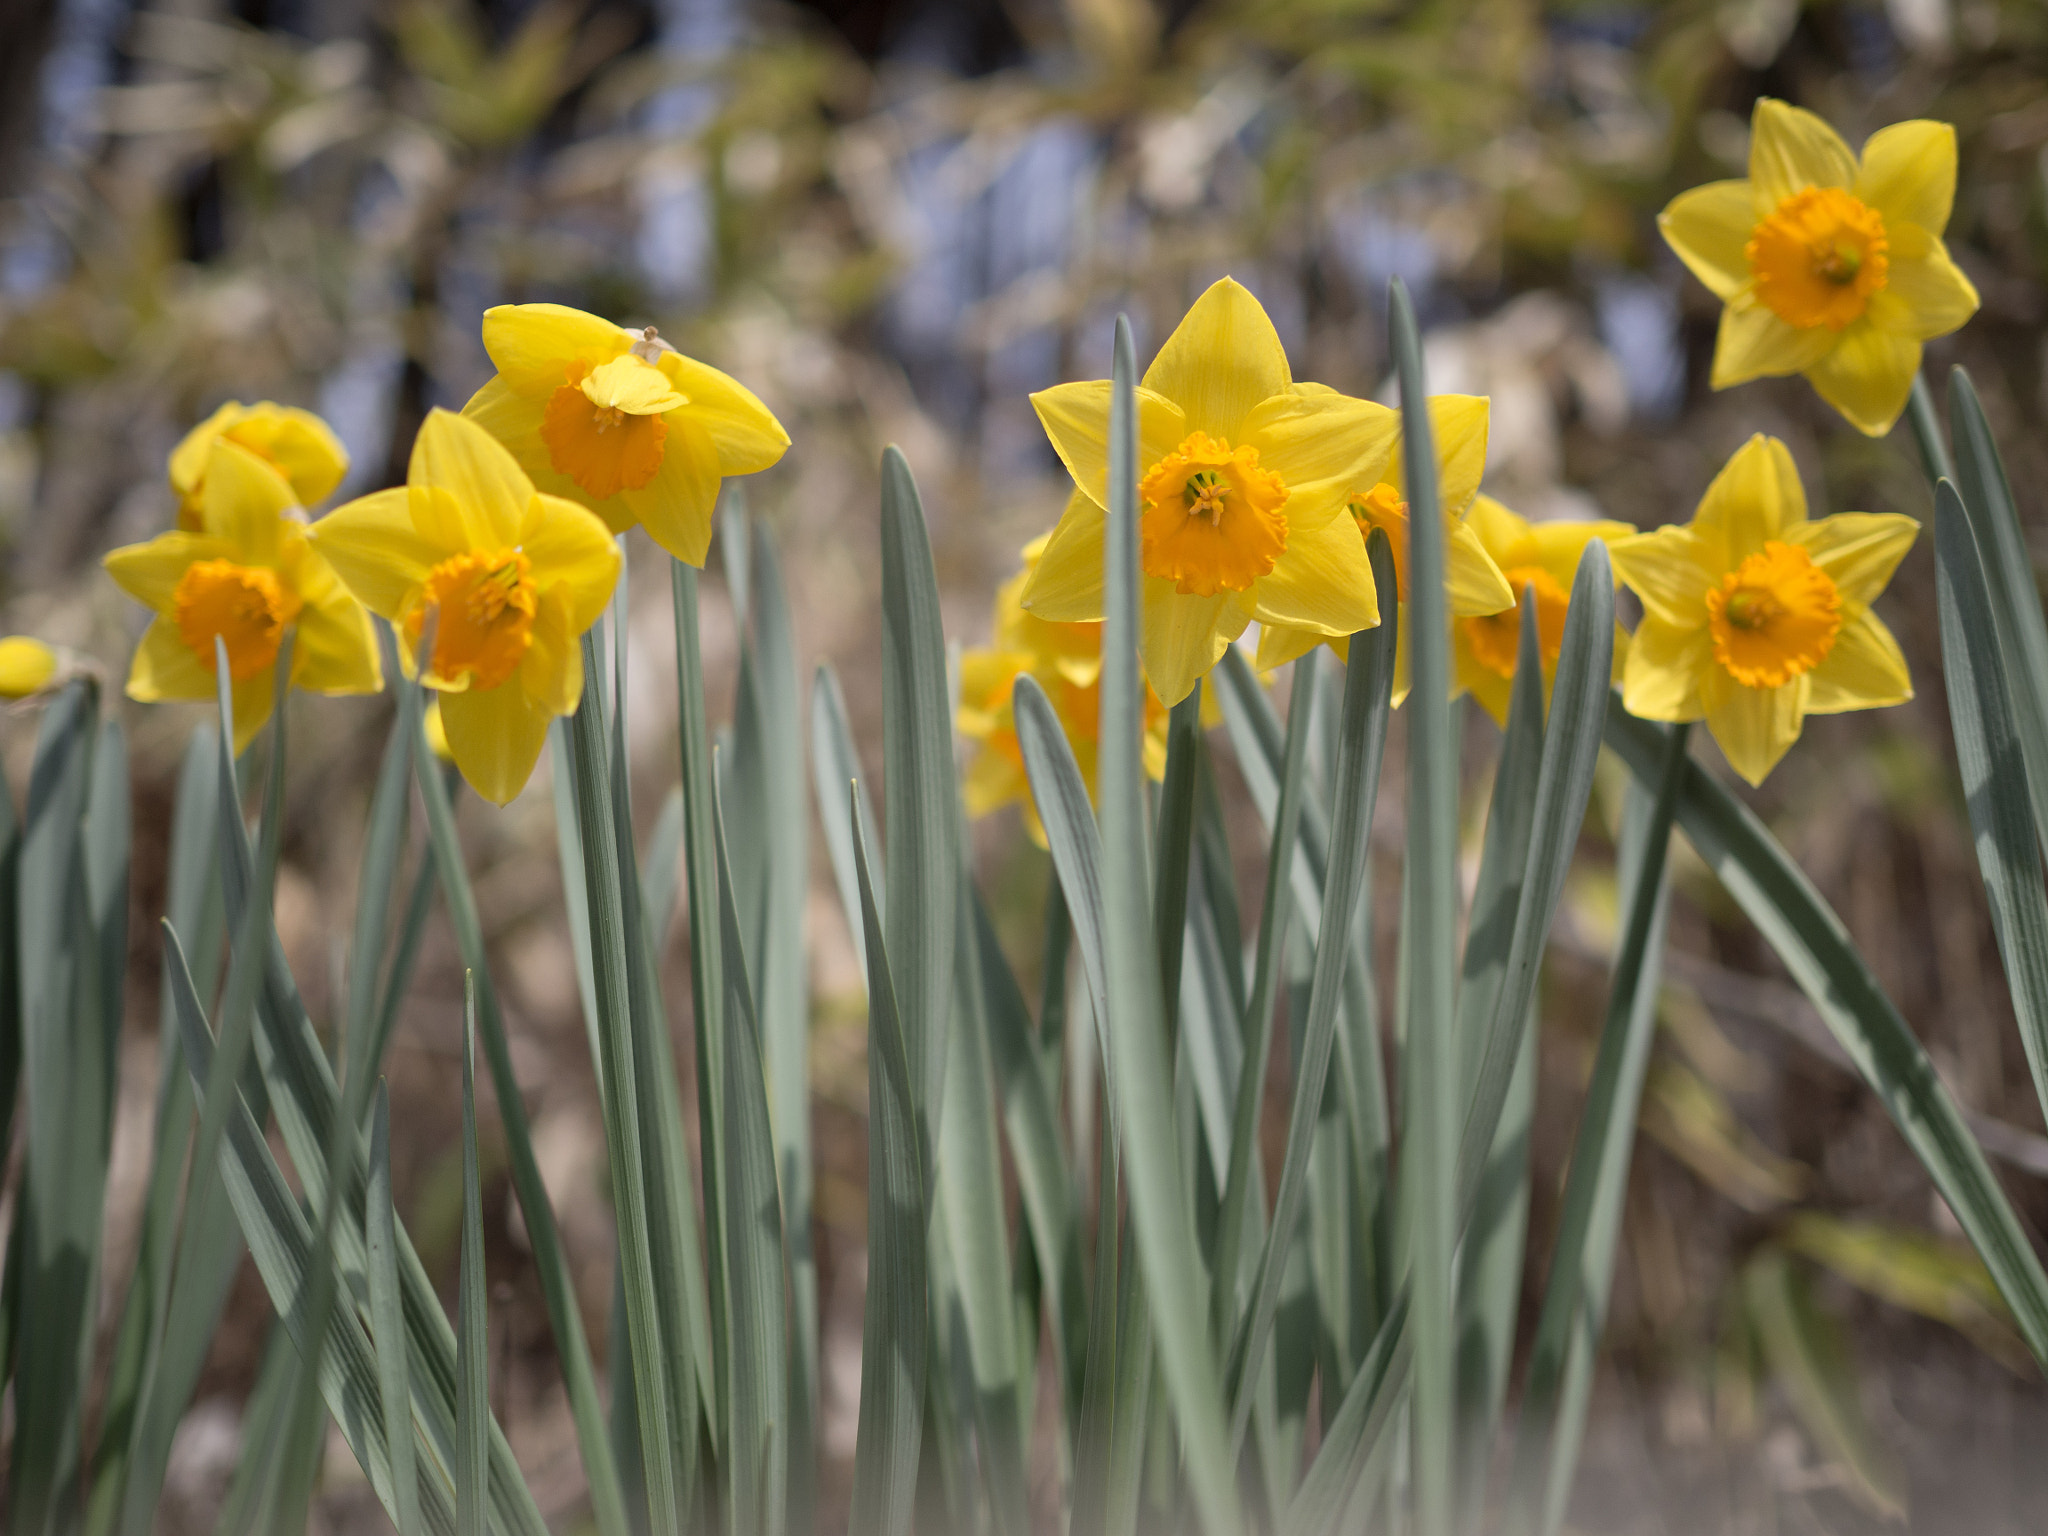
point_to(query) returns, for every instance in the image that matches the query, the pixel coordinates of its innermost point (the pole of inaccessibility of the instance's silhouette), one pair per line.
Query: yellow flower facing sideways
(27, 666)
(1829, 265)
(1473, 584)
(1066, 660)
(245, 575)
(1538, 558)
(297, 444)
(495, 580)
(1754, 618)
(1243, 478)
(620, 421)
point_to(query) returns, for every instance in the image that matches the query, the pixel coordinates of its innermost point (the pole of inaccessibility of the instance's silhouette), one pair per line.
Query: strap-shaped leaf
(1815, 947)
(472, 1336)
(387, 1320)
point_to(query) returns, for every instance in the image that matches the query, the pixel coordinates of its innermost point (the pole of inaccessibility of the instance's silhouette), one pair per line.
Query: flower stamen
(1212, 520)
(482, 607)
(1819, 257)
(246, 606)
(1774, 617)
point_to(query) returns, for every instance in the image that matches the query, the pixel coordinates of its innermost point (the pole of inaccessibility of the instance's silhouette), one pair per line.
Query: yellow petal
(1709, 227)
(1754, 727)
(1864, 669)
(677, 505)
(1789, 150)
(1458, 423)
(151, 572)
(1558, 546)
(1322, 581)
(336, 649)
(1502, 532)
(1473, 583)
(551, 671)
(1755, 498)
(992, 781)
(1278, 645)
(377, 551)
(534, 345)
(631, 384)
(302, 447)
(1670, 569)
(1909, 174)
(1324, 446)
(243, 502)
(26, 666)
(1493, 692)
(1066, 583)
(188, 459)
(1924, 297)
(1753, 343)
(1076, 418)
(1867, 377)
(1660, 680)
(254, 698)
(1858, 550)
(514, 419)
(165, 667)
(454, 454)
(495, 735)
(745, 432)
(1181, 638)
(573, 553)
(1221, 360)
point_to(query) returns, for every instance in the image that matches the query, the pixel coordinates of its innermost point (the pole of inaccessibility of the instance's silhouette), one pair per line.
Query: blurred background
(895, 218)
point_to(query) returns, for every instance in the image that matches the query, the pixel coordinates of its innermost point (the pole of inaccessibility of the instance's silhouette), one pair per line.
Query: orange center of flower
(483, 607)
(244, 605)
(603, 428)
(1212, 521)
(1382, 507)
(1819, 257)
(1774, 617)
(1496, 638)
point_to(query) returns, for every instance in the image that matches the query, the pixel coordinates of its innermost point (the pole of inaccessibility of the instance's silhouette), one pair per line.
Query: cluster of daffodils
(1256, 492)
(489, 563)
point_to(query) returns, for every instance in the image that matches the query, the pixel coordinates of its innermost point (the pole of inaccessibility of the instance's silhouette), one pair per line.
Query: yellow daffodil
(620, 421)
(1827, 265)
(506, 578)
(1754, 618)
(1542, 558)
(1243, 477)
(436, 732)
(1066, 660)
(1473, 585)
(26, 666)
(297, 444)
(245, 575)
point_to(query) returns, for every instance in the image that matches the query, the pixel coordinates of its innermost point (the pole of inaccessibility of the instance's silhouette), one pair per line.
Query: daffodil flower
(1473, 584)
(620, 421)
(1755, 618)
(27, 666)
(244, 577)
(1827, 265)
(1243, 477)
(297, 444)
(495, 580)
(1534, 558)
(1066, 660)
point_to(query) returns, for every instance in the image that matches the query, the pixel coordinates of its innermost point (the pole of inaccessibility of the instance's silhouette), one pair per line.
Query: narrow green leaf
(558, 1291)
(1980, 705)
(2014, 600)
(834, 765)
(625, 1132)
(1358, 1433)
(390, 810)
(387, 1320)
(757, 1417)
(412, 928)
(1589, 1225)
(1173, 849)
(67, 1066)
(895, 1323)
(1257, 1023)
(1141, 1075)
(1810, 939)
(1061, 796)
(918, 793)
(1044, 1184)
(472, 1341)
(1368, 690)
